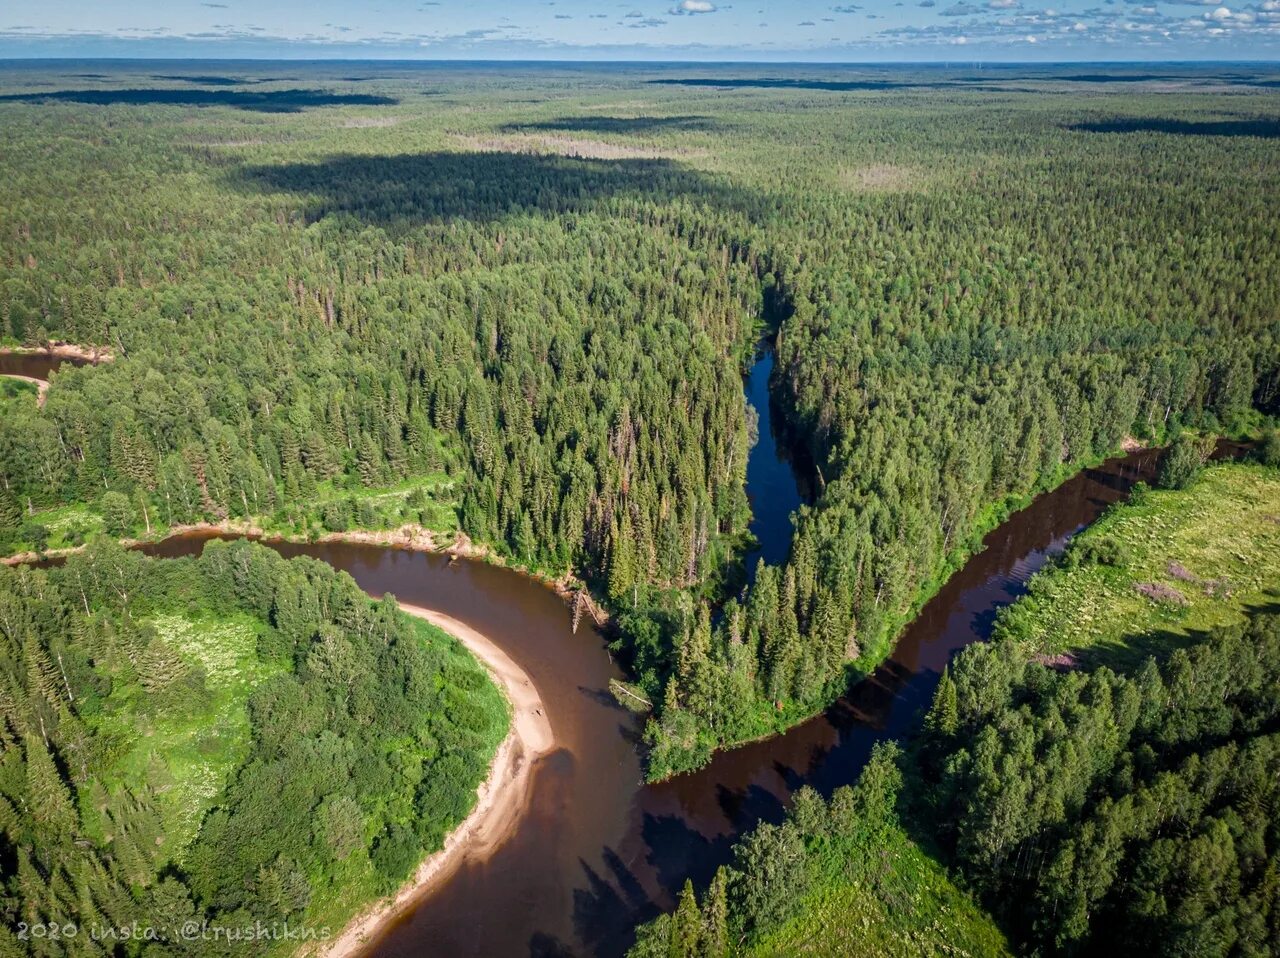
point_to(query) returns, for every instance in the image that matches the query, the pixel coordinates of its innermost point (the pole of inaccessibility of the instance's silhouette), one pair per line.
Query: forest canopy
(1101, 776)
(225, 740)
(528, 321)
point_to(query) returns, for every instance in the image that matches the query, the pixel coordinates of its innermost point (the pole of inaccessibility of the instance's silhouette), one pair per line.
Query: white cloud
(960, 41)
(1222, 13)
(692, 7)
(1002, 4)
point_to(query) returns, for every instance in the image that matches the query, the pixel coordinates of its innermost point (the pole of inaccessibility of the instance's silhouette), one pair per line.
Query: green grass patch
(192, 734)
(429, 500)
(1158, 571)
(899, 902)
(17, 390)
(62, 527)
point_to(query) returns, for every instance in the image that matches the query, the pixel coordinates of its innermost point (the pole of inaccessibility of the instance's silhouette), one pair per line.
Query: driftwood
(581, 603)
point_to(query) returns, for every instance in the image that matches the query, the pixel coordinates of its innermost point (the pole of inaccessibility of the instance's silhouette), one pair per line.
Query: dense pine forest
(237, 741)
(519, 306)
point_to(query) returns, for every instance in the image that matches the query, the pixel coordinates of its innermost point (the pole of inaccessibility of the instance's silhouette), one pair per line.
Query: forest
(1088, 811)
(1100, 776)
(236, 741)
(1135, 810)
(428, 300)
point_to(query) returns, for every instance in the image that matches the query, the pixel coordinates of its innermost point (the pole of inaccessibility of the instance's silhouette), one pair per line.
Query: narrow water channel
(772, 485)
(598, 851)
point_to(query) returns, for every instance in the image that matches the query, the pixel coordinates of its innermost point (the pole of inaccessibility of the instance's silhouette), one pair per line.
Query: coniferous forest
(238, 741)
(1099, 777)
(514, 307)
(554, 309)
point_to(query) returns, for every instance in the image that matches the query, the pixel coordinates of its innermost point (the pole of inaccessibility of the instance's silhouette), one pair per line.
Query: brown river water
(35, 365)
(598, 850)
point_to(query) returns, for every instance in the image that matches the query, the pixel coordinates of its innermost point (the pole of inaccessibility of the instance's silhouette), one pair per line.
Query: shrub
(1184, 460)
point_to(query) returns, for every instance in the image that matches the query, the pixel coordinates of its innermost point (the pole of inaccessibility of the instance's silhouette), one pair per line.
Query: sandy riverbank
(501, 798)
(70, 351)
(58, 350)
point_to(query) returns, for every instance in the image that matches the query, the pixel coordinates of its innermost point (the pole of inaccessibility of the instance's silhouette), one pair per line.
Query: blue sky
(865, 30)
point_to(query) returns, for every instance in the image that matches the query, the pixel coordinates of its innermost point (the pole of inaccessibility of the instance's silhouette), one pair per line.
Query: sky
(708, 30)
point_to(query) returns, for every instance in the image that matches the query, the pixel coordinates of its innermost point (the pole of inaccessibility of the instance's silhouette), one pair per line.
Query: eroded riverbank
(37, 365)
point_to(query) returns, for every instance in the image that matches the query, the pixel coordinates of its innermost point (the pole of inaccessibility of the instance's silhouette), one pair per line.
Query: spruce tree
(686, 928)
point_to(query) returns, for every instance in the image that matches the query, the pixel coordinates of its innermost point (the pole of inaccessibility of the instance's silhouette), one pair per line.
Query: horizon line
(633, 62)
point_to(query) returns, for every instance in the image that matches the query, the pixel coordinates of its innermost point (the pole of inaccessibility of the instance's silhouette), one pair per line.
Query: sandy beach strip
(501, 798)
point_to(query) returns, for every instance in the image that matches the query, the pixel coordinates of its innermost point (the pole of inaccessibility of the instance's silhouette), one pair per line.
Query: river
(775, 488)
(35, 365)
(598, 850)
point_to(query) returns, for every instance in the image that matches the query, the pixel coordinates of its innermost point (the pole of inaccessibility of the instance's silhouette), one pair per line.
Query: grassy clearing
(904, 904)
(1159, 570)
(63, 527)
(195, 748)
(427, 500)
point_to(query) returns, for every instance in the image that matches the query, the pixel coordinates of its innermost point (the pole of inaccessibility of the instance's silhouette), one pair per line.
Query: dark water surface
(772, 485)
(598, 850)
(37, 365)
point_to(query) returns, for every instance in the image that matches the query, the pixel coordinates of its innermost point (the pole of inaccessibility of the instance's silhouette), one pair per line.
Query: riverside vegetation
(421, 297)
(227, 740)
(1101, 775)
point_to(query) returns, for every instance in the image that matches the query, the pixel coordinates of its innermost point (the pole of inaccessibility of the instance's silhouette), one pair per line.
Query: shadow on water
(1265, 128)
(542, 945)
(266, 101)
(415, 187)
(774, 472)
(611, 903)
